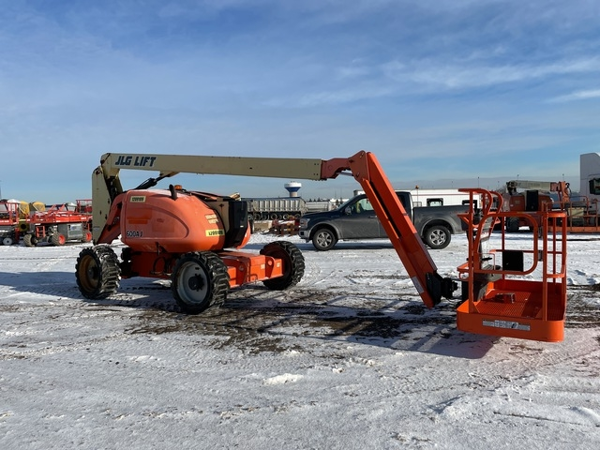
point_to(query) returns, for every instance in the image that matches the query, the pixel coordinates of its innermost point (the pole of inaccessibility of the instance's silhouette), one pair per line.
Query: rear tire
(200, 280)
(7, 241)
(293, 264)
(97, 272)
(324, 239)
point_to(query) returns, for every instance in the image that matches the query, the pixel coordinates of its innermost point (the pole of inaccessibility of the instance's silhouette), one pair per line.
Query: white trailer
(439, 197)
(589, 175)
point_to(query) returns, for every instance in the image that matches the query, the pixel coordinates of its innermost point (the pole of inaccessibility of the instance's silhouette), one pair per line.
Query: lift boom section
(363, 166)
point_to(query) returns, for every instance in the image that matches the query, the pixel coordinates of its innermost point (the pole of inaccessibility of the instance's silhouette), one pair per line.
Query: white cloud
(456, 77)
(351, 72)
(332, 97)
(578, 95)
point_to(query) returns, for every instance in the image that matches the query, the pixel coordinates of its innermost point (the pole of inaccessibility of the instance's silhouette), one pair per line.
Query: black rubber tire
(28, 240)
(293, 264)
(324, 239)
(97, 272)
(58, 239)
(199, 280)
(437, 237)
(512, 224)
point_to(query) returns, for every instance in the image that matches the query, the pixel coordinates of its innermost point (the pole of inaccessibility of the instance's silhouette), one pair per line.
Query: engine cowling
(152, 219)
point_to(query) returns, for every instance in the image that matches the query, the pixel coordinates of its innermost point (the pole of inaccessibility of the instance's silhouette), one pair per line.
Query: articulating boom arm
(364, 167)
(404, 237)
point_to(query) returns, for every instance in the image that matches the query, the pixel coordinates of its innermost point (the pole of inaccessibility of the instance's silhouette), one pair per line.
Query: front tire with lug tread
(97, 272)
(200, 280)
(293, 264)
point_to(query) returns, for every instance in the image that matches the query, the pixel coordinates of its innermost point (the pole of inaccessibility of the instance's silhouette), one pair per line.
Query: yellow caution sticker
(137, 199)
(210, 233)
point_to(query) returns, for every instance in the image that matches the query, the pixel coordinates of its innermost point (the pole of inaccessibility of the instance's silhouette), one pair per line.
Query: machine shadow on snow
(48, 283)
(255, 319)
(398, 324)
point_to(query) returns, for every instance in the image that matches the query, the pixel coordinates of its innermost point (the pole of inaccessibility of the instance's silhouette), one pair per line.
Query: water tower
(293, 187)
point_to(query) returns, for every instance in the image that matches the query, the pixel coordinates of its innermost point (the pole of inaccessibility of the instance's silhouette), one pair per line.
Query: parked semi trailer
(276, 208)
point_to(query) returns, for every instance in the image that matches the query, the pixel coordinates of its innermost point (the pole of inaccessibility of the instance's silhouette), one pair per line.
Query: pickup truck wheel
(324, 239)
(437, 237)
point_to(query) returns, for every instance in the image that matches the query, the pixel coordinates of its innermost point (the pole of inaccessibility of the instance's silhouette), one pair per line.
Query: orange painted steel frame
(156, 256)
(499, 301)
(242, 267)
(404, 237)
(246, 268)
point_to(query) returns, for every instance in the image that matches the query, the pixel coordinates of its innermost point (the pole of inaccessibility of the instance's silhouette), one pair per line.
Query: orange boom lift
(195, 238)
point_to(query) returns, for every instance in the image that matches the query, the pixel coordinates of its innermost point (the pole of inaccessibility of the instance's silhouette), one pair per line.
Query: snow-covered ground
(348, 359)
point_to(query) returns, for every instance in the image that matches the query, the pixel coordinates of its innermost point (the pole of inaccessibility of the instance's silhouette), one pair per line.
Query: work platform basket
(513, 286)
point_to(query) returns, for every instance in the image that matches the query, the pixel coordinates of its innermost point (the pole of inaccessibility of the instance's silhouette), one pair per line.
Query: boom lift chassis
(494, 302)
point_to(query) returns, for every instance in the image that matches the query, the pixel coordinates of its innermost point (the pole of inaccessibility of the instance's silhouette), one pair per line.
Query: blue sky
(461, 91)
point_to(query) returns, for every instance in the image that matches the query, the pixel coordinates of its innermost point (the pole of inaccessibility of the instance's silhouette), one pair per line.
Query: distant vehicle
(439, 197)
(11, 217)
(356, 219)
(282, 208)
(60, 223)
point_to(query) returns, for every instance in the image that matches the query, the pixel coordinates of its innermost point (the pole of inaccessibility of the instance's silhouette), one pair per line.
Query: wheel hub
(196, 283)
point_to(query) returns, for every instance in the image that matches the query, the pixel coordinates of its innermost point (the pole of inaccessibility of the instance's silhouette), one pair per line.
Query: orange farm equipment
(12, 221)
(581, 213)
(59, 224)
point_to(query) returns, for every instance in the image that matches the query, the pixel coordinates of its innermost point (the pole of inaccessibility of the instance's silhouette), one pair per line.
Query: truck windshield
(345, 204)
